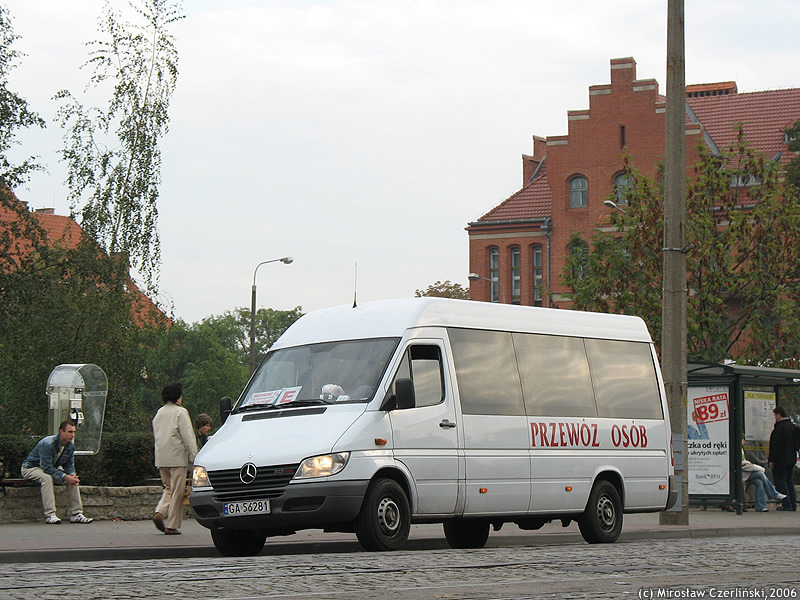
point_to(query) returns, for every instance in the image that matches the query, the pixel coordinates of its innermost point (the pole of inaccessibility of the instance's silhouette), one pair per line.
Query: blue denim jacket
(44, 456)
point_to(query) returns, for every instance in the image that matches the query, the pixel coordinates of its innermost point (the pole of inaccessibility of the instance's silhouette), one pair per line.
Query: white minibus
(369, 418)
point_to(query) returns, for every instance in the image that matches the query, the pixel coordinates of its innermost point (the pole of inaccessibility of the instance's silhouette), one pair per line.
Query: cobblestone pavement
(747, 567)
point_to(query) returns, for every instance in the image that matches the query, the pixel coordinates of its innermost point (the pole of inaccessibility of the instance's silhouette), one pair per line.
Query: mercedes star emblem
(248, 473)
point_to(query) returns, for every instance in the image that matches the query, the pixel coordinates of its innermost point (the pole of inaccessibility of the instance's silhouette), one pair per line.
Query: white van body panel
(277, 441)
(497, 461)
(389, 318)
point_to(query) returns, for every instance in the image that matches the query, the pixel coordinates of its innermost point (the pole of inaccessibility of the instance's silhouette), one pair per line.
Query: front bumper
(317, 505)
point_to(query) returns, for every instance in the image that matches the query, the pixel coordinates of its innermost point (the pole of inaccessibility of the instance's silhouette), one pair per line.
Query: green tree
(68, 305)
(210, 357)
(444, 289)
(113, 158)
(743, 258)
(14, 112)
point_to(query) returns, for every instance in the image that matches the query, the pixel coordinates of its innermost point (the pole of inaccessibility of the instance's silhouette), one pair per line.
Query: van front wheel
(245, 542)
(385, 518)
(466, 533)
(601, 522)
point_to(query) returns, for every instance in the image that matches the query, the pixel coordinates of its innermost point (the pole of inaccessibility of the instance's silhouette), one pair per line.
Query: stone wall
(20, 504)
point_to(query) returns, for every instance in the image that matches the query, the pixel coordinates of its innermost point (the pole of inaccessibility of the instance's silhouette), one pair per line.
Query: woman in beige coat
(175, 449)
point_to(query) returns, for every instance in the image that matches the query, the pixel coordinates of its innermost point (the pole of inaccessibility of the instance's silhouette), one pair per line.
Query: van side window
(423, 364)
(486, 369)
(555, 376)
(624, 378)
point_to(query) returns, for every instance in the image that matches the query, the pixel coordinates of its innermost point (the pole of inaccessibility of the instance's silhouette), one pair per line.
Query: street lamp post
(476, 277)
(285, 260)
(615, 206)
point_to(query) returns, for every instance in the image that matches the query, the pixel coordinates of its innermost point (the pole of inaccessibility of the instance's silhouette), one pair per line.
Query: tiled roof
(63, 230)
(765, 116)
(533, 201)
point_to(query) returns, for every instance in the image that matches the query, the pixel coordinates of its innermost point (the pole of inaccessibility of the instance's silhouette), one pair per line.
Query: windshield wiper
(310, 402)
(250, 407)
(293, 404)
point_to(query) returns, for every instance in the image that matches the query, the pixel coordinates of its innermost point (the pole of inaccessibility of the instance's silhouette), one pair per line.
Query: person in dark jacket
(783, 456)
(51, 461)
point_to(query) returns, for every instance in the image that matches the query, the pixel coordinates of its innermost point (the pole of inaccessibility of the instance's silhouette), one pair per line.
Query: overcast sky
(368, 131)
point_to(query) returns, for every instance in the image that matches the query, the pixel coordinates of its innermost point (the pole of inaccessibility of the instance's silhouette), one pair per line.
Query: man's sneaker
(780, 497)
(79, 518)
(52, 520)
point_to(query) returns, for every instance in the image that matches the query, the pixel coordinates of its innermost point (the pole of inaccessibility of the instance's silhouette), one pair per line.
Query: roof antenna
(355, 287)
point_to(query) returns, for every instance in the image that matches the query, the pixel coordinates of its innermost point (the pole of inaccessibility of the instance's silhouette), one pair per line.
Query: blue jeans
(764, 489)
(785, 485)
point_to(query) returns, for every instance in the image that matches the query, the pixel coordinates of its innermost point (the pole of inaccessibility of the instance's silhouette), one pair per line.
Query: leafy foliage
(743, 259)
(14, 112)
(211, 357)
(14, 449)
(113, 158)
(68, 306)
(125, 458)
(444, 289)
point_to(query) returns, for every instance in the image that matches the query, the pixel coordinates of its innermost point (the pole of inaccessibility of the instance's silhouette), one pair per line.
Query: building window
(516, 277)
(494, 275)
(578, 192)
(537, 276)
(579, 251)
(623, 184)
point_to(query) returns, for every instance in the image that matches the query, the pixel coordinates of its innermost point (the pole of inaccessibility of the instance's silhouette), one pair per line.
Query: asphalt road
(730, 567)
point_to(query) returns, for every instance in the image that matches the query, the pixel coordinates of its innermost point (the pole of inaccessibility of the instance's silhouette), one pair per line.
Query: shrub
(124, 459)
(13, 450)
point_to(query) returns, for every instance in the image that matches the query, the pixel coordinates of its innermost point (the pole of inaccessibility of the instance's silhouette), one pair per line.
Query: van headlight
(322, 466)
(200, 477)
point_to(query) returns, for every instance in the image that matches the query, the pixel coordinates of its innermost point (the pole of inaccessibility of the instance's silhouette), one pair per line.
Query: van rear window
(624, 379)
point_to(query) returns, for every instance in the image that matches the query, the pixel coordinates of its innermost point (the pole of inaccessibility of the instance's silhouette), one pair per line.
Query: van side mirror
(404, 393)
(225, 408)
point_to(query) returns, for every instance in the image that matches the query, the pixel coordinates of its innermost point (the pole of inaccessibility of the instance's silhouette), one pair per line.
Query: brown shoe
(169, 531)
(158, 521)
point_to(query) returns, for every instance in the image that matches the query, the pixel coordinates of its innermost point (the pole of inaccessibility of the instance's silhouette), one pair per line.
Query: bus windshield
(326, 373)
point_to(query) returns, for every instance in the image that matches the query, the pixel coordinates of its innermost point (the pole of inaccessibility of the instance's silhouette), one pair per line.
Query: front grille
(269, 483)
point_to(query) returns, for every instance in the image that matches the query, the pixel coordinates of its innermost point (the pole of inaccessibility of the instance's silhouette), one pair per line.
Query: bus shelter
(729, 408)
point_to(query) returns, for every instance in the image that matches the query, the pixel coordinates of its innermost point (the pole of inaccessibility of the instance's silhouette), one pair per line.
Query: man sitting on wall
(52, 460)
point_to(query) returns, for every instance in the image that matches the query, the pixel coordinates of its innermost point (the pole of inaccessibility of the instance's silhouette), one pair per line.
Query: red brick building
(519, 248)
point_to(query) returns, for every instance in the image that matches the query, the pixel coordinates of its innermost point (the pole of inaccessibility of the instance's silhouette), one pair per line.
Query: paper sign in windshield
(277, 397)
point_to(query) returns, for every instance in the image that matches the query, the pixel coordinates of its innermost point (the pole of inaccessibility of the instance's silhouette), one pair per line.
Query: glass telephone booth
(78, 392)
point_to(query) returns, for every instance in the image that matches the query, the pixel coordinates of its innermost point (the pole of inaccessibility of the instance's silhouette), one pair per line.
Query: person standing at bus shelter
(175, 449)
(783, 445)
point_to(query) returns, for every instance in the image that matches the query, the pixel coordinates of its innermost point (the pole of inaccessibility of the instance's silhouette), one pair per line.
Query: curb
(340, 547)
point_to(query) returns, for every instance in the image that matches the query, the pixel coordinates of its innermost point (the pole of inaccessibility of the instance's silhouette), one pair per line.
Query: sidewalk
(113, 540)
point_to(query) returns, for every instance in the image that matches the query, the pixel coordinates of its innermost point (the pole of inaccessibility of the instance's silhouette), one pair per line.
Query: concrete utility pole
(673, 332)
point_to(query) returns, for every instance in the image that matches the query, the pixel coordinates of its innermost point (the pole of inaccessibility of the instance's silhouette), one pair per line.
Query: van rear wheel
(244, 542)
(601, 522)
(466, 533)
(385, 518)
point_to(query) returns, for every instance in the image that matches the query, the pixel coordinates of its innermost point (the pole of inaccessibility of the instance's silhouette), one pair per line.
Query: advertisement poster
(708, 443)
(758, 417)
